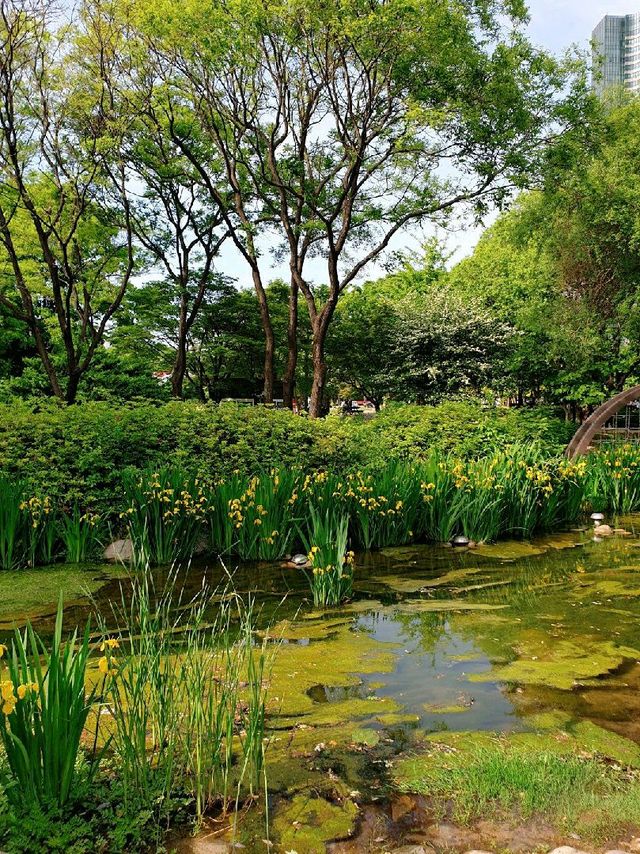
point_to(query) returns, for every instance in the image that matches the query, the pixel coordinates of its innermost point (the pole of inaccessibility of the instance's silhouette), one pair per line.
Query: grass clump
(44, 712)
(500, 778)
(185, 697)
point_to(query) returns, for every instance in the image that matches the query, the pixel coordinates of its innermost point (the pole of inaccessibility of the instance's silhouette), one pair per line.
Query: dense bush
(82, 453)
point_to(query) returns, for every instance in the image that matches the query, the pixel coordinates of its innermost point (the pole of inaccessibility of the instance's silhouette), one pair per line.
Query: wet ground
(515, 641)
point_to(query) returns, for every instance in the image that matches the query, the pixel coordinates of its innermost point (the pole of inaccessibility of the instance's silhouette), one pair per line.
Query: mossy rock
(307, 823)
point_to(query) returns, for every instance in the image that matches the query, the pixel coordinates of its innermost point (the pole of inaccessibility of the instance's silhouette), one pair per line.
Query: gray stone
(602, 531)
(616, 851)
(567, 849)
(120, 551)
(299, 560)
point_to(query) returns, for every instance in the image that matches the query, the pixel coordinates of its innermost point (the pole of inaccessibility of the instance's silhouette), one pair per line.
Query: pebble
(567, 849)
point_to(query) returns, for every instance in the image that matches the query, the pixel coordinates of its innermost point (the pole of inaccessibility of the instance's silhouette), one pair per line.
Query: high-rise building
(616, 53)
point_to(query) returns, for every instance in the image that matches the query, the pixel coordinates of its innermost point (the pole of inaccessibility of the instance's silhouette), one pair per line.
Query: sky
(555, 25)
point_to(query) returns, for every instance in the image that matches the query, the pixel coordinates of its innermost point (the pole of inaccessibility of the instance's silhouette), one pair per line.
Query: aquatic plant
(187, 697)
(256, 518)
(385, 506)
(613, 478)
(164, 516)
(28, 530)
(331, 565)
(12, 524)
(43, 714)
(80, 534)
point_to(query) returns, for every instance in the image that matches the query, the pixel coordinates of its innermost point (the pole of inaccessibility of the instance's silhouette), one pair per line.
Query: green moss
(392, 719)
(452, 709)
(365, 736)
(413, 585)
(27, 594)
(509, 550)
(558, 774)
(561, 664)
(307, 630)
(330, 714)
(297, 668)
(419, 606)
(595, 739)
(549, 720)
(307, 823)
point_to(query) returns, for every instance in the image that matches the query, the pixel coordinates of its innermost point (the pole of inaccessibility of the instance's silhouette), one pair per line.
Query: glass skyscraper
(616, 53)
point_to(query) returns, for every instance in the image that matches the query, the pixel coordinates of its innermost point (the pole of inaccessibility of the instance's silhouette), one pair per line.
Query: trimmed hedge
(82, 452)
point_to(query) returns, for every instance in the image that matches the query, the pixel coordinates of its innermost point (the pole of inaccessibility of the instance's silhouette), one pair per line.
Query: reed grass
(165, 515)
(170, 516)
(80, 535)
(187, 696)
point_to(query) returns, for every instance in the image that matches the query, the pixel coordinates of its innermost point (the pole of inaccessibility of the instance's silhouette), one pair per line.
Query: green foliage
(28, 530)
(82, 454)
(325, 537)
(44, 711)
(254, 520)
(164, 515)
(79, 533)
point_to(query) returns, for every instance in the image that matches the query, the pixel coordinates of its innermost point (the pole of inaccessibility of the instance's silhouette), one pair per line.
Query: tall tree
(340, 125)
(171, 215)
(63, 252)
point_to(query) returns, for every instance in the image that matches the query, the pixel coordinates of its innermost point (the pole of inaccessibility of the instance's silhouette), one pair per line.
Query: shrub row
(82, 454)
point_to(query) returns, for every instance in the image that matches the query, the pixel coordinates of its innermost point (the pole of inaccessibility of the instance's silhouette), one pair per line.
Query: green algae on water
(562, 664)
(27, 594)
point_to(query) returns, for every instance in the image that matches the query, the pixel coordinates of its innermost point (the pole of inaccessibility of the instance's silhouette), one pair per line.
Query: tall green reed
(80, 535)
(187, 699)
(164, 516)
(255, 519)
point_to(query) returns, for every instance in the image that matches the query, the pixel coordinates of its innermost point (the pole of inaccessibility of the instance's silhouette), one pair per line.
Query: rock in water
(603, 530)
(119, 551)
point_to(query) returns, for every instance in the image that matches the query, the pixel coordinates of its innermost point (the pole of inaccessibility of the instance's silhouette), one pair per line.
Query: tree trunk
(50, 371)
(180, 362)
(72, 387)
(319, 370)
(289, 378)
(269, 340)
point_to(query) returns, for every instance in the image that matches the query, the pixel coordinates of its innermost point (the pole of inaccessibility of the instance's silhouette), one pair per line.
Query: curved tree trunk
(289, 378)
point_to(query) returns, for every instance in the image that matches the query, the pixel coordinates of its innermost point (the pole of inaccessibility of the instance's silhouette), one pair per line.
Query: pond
(437, 643)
